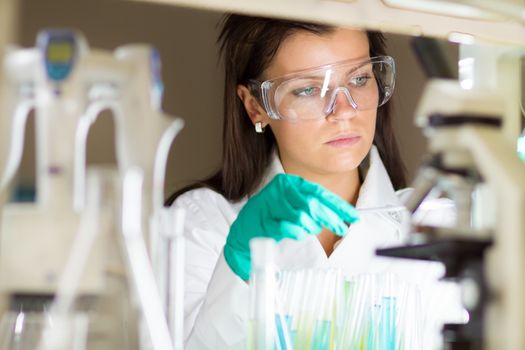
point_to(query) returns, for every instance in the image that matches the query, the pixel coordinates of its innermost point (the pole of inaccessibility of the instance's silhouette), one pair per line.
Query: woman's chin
(338, 166)
(343, 162)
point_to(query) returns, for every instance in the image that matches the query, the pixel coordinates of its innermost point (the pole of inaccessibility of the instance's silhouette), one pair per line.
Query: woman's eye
(305, 92)
(359, 80)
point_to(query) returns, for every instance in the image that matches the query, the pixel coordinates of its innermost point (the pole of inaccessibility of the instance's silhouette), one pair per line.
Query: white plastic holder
(139, 264)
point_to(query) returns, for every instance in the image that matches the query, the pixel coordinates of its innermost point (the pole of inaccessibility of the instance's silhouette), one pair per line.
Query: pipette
(382, 209)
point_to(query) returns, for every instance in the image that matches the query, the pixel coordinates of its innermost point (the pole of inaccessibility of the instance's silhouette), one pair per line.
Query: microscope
(473, 162)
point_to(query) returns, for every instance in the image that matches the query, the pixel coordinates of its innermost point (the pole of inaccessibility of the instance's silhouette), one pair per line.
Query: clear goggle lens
(312, 94)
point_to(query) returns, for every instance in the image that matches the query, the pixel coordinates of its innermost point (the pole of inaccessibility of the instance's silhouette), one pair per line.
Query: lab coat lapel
(376, 190)
(355, 253)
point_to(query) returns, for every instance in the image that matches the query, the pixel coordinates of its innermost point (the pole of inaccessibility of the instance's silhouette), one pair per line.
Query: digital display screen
(60, 52)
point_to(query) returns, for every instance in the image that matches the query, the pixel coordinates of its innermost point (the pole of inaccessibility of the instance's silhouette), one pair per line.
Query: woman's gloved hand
(288, 207)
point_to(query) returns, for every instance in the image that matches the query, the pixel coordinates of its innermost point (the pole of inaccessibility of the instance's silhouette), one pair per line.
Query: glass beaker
(23, 330)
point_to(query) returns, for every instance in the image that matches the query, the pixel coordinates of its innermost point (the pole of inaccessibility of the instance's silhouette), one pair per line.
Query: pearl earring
(259, 128)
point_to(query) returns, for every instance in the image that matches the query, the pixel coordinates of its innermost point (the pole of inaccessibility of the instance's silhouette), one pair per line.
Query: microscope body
(467, 147)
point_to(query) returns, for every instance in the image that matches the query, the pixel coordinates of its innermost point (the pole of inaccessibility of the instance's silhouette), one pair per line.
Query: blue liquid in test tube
(388, 324)
(283, 328)
(322, 335)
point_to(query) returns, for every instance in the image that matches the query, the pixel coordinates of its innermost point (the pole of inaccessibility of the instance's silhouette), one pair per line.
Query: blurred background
(193, 78)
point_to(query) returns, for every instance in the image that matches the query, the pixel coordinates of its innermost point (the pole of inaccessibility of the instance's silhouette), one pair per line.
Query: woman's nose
(341, 105)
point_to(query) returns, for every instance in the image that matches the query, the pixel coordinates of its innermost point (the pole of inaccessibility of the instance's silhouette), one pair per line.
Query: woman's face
(330, 145)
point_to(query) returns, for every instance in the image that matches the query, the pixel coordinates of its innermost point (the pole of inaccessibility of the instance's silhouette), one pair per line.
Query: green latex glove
(288, 207)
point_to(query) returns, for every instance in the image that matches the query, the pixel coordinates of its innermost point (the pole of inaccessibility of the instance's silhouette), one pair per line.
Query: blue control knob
(156, 78)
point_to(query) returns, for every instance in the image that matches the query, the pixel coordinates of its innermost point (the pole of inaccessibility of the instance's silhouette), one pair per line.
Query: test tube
(387, 331)
(295, 301)
(322, 324)
(263, 288)
(521, 146)
(176, 279)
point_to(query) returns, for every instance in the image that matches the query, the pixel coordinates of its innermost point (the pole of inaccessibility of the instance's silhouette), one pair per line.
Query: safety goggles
(312, 93)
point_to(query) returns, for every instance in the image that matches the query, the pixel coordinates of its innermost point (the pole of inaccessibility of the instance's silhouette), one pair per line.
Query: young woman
(307, 139)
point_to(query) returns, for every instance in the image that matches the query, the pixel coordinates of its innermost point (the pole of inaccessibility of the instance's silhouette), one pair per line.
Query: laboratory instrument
(68, 84)
(469, 148)
(323, 309)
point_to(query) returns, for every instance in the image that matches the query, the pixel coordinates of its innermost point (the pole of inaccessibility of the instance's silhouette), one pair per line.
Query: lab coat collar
(376, 190)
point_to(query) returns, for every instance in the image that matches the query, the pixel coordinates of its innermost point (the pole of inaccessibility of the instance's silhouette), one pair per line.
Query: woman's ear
(252, 106)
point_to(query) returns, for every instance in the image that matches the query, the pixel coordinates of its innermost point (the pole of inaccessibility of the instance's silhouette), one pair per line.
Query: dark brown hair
(247, 46)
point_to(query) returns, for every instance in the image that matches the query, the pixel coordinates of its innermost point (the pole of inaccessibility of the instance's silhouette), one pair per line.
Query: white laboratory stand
(500, 21)
(66, 241)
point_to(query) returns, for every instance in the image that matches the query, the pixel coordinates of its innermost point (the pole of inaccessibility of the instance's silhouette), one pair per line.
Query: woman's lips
(344, 141)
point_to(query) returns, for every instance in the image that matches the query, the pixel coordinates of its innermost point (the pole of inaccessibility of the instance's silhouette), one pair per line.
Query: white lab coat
(217, 301)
